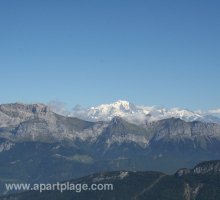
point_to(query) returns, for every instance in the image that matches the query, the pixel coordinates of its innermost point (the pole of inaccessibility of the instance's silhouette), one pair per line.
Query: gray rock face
(183, 172)
(120, 131)
(171, 128)
(13, 114)
(176, 134)
(37, 122)
(207, 168)
(6, 146)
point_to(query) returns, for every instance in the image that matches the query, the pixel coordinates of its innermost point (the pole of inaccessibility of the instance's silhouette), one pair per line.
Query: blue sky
(154, 52)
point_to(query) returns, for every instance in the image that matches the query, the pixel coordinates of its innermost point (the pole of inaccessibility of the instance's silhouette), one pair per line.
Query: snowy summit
(138, 114)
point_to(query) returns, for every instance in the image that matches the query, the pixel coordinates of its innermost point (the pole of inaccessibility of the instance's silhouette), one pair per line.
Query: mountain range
(199, 183)
(38, 145)
(139, 114)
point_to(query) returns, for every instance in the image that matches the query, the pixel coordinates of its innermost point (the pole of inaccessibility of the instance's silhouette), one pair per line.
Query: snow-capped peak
(183, 114)
(108, 111)
(118, 106)
(137, 114)
(121, 103)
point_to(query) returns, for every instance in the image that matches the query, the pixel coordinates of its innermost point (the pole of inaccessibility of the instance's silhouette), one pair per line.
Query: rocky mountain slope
(37, 122)
(200, 183)
(19, 122)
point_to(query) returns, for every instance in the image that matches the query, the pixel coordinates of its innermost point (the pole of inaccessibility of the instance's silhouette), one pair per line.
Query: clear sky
(88, 52)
